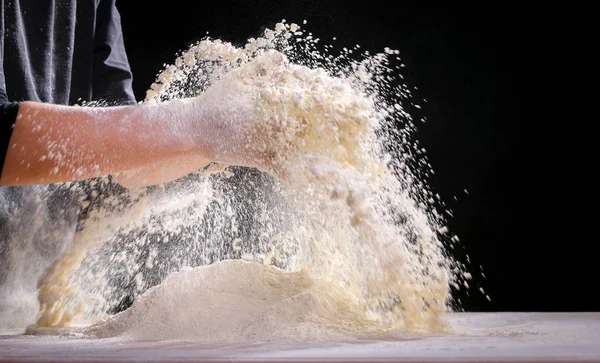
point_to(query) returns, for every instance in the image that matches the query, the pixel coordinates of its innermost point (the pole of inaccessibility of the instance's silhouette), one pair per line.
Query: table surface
(480, 337)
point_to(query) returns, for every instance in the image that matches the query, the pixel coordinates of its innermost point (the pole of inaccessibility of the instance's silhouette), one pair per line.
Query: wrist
(191, 124)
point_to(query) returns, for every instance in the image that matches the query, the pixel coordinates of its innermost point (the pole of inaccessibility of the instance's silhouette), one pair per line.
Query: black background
(468, 62)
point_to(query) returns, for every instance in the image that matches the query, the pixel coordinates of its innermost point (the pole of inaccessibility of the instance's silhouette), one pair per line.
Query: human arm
(155, 172)
(52, 143)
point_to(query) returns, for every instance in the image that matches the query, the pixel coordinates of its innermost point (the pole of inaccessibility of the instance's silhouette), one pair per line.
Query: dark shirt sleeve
(8, 117)
(112, 74)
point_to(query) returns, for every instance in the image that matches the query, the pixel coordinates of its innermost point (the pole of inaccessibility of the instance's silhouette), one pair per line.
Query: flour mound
(237, 301)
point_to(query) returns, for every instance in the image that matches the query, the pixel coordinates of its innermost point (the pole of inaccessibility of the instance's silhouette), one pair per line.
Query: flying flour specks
(348, 246)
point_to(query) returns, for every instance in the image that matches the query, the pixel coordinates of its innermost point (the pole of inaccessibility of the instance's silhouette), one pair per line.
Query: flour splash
(349, 245)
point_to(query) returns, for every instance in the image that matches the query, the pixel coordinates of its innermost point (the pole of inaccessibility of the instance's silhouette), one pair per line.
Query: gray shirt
(63, 52)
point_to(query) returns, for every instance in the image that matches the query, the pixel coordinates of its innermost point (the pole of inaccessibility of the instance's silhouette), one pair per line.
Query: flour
(348, 245)
(236, 301)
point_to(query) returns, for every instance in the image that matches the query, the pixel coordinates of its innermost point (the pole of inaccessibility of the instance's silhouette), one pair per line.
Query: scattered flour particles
(351, 244)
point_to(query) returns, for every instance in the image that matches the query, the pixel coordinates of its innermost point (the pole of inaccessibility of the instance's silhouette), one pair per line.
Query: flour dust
(350, 244)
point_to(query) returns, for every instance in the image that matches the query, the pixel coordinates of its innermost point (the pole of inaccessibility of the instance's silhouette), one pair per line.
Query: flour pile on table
(348, 245)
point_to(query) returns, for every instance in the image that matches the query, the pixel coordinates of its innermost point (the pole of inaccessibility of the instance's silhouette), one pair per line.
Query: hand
(223, 123)
(226, 118)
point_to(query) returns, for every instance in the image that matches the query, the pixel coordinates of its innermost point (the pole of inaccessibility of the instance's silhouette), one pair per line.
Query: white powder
(237, 301)
(353, 230)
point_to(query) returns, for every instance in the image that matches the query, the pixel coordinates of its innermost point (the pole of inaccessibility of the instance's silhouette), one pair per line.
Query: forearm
(53, 143)
(159, 173)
